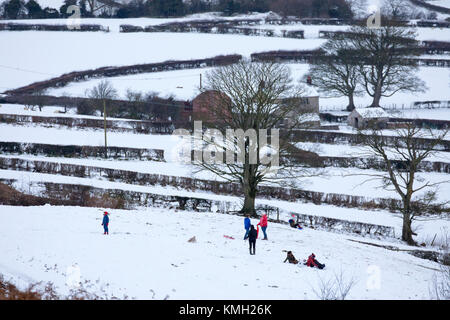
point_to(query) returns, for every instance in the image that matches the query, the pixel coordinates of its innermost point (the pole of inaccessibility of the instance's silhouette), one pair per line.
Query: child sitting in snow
(312, 262)
(294, 225)
(290, 257)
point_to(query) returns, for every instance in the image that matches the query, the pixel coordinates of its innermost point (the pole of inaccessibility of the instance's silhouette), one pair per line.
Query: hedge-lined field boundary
(216, 187)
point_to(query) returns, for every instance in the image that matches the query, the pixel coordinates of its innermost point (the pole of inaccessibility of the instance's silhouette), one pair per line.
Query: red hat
(106, 212)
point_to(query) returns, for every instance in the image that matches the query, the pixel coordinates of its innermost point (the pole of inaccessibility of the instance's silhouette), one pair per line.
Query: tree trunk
(249, 199)
(376, 97)
(104, 124)
(406, 230)
(249, 205)
(351, 103)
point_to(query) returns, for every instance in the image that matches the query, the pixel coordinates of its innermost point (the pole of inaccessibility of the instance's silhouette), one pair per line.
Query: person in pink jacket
(263, 224)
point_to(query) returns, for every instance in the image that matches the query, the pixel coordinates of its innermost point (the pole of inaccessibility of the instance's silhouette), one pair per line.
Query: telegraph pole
(104, 124)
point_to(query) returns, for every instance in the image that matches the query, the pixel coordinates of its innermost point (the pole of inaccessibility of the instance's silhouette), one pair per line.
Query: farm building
(361, 117)
(200, 108)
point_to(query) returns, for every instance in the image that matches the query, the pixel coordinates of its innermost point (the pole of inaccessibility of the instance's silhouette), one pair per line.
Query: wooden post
(104, 124)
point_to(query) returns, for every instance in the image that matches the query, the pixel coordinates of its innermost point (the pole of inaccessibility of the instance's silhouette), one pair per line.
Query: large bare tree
(245, 102)
(402, 157)
(336, 73)
(386, 57)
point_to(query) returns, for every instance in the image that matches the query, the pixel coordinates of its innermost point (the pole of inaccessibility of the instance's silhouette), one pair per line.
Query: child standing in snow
(263, 224)
(105, 223)
(247, 226)
(252, 234)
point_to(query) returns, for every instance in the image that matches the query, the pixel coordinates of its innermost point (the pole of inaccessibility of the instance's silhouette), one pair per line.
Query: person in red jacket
(312, 262)
(263, 224)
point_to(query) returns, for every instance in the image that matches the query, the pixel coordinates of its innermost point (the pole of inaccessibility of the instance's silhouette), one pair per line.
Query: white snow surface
(370, 113)
(440, 3)
(147, 256)
(63, 52)
(184, 85)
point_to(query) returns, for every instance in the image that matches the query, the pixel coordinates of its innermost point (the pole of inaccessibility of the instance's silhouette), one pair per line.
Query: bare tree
(246, 104)
(103, 92)
(397, 9)
(358, 7)
(440, 284)
(403, 177)
(39, 98)
(337, 72)
(336, 288)
(385, 56)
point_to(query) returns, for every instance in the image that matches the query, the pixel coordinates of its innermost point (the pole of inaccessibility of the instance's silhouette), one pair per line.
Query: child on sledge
(312, 262)
(105, 223)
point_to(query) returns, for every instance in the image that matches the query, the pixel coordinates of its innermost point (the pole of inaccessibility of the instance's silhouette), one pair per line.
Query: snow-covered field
(184, 85)
(348, 181)
(147, 256)
(36, 134)
(438, 89)
(428, 227)
(342, 150)
(63, 52)
(434, 114)
(440, 3)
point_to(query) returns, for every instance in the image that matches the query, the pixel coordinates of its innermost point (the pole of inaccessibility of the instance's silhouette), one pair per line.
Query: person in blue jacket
(105, 223)
(247, 224)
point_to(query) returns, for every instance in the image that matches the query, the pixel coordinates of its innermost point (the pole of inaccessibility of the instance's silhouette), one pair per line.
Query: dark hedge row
(431, 6)
(80, 195)
(153, 109)
(334, 137)
(142, 127)
(76, 151)
(50, 27)
(105, 72)
(212, 27)
(216, 187)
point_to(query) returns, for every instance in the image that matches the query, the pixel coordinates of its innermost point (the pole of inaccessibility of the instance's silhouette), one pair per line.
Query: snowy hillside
(147, 256)
(53, 149)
